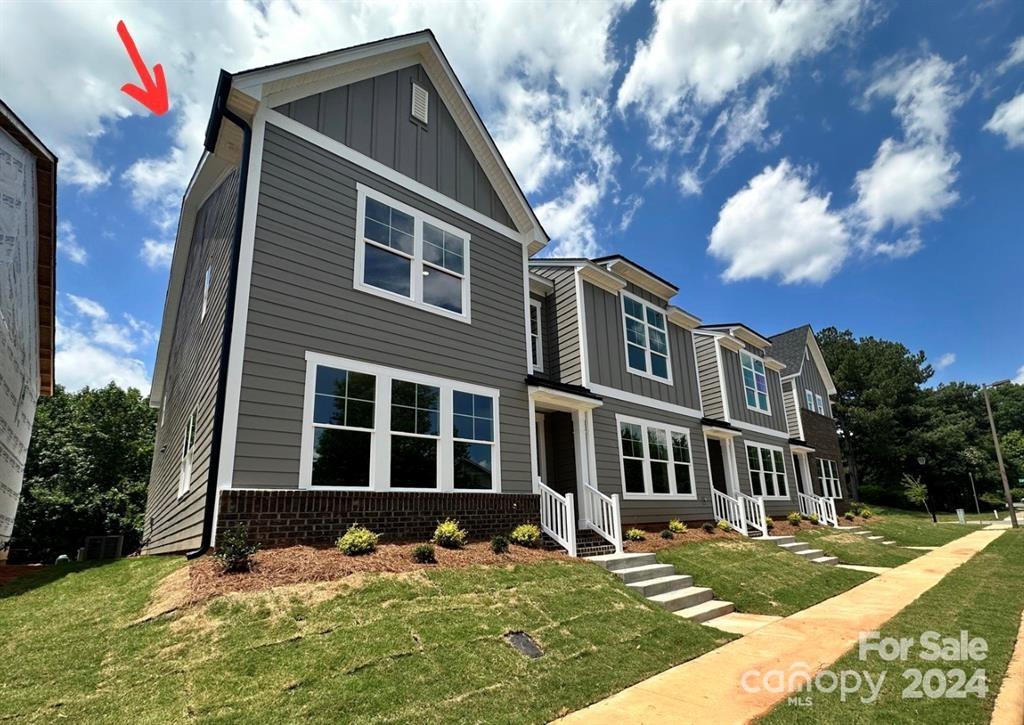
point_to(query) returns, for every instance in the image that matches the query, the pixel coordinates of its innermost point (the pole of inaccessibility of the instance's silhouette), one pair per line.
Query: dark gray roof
(788, 348)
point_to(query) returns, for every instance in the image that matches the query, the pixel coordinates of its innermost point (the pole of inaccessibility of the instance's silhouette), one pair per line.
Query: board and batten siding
(792, 409)
(774, 507)
(609, 467)
(606, 351)
(810, 379)
(707, 370)
(565, 322)
(174, 524)
(738, 410)
(374, 117)
(302, 299)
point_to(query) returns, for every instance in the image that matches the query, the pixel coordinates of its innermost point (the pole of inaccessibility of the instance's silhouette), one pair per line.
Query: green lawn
(912, 528)
(759, 577)
(984, 598)
(423, 648)
(853, 549)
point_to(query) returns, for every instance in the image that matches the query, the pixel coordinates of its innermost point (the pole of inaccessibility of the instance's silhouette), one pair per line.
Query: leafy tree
(916, 492)
(87, 471)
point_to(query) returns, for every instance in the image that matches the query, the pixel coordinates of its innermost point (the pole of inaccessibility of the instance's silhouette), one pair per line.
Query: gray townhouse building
(360, 327)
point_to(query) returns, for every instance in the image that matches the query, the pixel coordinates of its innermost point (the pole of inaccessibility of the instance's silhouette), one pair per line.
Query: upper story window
(646, 339)
(536, 336)
(755, 383)
(819, 404)
(809, 397)
(410, 257)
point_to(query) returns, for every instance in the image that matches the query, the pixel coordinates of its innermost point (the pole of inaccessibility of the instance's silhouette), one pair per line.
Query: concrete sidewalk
(708, 688)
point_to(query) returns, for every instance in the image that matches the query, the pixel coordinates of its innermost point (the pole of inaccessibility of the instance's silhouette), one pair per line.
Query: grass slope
(912, 528)
(853, 549)
(407, 648)
(982, 596)
(759, 577)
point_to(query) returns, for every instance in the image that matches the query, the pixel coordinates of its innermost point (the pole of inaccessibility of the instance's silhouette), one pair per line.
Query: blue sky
(846, 163)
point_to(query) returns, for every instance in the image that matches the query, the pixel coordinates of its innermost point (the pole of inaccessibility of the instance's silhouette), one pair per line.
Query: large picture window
(828, 474)
(755, 383)
(378, 428)
(646, 333)
(411, 257)
(767, 471)
(656, 460)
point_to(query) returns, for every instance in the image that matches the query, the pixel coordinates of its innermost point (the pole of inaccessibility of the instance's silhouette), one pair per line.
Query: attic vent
(420, 102)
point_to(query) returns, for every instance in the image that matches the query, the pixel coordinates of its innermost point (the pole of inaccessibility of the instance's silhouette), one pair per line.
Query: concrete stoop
(790, 544)
(660, 584)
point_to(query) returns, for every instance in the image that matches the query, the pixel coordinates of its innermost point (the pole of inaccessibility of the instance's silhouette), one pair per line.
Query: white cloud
(778, 227)
(567, 220)
(925, 95)
(67, 243)
(633, 203)
(156, 254)
(689, 183)
(87, 307)
(1019, 379)
(944, 361)
(745, 124)
(908, 246)
(1008, 120)
(1014, 57)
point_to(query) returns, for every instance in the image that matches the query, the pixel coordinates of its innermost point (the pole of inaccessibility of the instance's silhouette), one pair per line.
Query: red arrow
(154, 95)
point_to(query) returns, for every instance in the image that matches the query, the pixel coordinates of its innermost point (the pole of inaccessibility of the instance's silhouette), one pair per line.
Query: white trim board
(653, 403)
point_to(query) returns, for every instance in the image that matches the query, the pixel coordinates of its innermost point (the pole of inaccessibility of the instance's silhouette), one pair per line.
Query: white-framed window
(188, 441)
(819, 404)
(767, 471)
(828, 474)
(206, 291)
(537, 335)
(755, 383)
(656, 460)
(410, 257)
(809, 397)
(371, 427)
(646, 337)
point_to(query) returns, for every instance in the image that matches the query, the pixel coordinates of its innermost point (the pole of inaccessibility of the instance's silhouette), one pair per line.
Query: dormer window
(755, 383)
(646, 339)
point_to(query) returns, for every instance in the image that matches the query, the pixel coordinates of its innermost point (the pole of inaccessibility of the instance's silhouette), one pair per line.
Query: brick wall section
(820, 434)
(318, 518)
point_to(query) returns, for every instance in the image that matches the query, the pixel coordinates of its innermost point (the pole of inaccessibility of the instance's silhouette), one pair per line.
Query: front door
(716, 459)
(800, 485)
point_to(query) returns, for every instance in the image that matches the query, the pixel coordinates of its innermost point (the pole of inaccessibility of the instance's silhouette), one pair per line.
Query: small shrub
(769, 523)
(813, 518)
(848, 516)
(358, 540)
(449, 535)
(635, 535)
(855, 507)
(233, 550)
(499, 544)
(724, 525)
(424, 554)
(667, 534)
(794, 518)
(676, 526)
(709, 528)
(525, 535)
(865, 513)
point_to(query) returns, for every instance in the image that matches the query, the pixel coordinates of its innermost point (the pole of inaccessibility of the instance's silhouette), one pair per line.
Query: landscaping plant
(424, 554)
(449, 535)
(848, 516)
(916, 492)
(635, 535)
(769, 523)
(709, 528)
(358, 540)
(794, 518)
(525, 535)
(724, 525)
(499, 544)
(233, 550)
(814, 519)
(865, 513)
(676, 526)
(667, 534)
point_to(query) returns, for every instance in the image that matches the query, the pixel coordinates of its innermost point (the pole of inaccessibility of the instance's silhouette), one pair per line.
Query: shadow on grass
(46, 575)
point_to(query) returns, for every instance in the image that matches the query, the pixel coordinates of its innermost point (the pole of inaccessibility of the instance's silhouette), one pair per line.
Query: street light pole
(999, 453)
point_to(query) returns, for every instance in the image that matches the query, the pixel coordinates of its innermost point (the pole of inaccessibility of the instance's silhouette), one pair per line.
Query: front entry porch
(745, 514)
(811, 503)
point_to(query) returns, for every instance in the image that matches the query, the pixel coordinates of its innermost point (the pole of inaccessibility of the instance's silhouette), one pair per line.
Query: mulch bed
(654, 542)
(784, 528)
(305, 564)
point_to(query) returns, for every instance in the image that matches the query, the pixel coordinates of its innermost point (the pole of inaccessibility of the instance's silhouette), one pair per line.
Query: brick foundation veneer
(318, 518)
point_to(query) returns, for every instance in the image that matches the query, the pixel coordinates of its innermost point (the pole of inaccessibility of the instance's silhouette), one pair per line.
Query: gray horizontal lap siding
(302, 299)
(710, 383)
(549, 337)
(609, 469)
(174, 524)
(774, 507)
(373, 116)
(606, 351)
(563, 314)
(810, 379)
(738, 410)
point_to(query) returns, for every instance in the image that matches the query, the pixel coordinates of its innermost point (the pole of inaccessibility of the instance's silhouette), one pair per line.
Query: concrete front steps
(790, 544)
(867, 534)
(660, 584)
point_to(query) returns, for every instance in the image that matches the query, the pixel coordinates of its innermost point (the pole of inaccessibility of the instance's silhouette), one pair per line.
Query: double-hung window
(820, 404)
(767, 471)
(656, 459)
(828, 474)
(371, 427)
(187, 446)
(809, 397)
(755, 382)
(411, 257)
(536, 336)
(646, 333)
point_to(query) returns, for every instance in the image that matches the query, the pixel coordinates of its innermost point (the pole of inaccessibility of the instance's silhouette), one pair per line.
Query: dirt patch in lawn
(654, 542)
(305, 564)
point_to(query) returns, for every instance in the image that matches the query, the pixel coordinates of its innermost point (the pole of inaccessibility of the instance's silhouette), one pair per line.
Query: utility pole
(999, 453)
(975, 492)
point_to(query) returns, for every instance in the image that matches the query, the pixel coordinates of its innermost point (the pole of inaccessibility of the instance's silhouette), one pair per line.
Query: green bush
(525, 535)
(723, 525)
(449, 535)
(709, 528)
(635, 535)
(794, 518)
(769, 523)
(848, 516)
(499, 544)
(233, 550)
(676, 526)
(358, 540)
(424, 554)
(813, 518)
(865, 513)
(666, 534)
(855, 507)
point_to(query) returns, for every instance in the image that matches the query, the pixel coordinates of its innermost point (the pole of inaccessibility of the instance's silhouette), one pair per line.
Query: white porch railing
(558, 517)
(603, 515)
(729, 509)
(823, 508)
(753, 510)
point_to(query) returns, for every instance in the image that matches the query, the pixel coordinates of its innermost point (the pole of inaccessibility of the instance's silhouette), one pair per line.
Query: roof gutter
(221, 112)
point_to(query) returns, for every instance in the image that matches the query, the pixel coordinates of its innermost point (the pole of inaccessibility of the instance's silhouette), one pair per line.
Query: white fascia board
(773, 364)
(600, 278)
(730, 343)
(680, 317)
(642, 279)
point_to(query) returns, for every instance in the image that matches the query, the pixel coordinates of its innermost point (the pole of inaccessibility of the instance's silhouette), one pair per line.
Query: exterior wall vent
(420, 103)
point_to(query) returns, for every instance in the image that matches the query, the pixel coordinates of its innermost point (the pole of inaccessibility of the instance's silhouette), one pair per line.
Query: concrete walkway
(1009, 707)
(708, 689)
